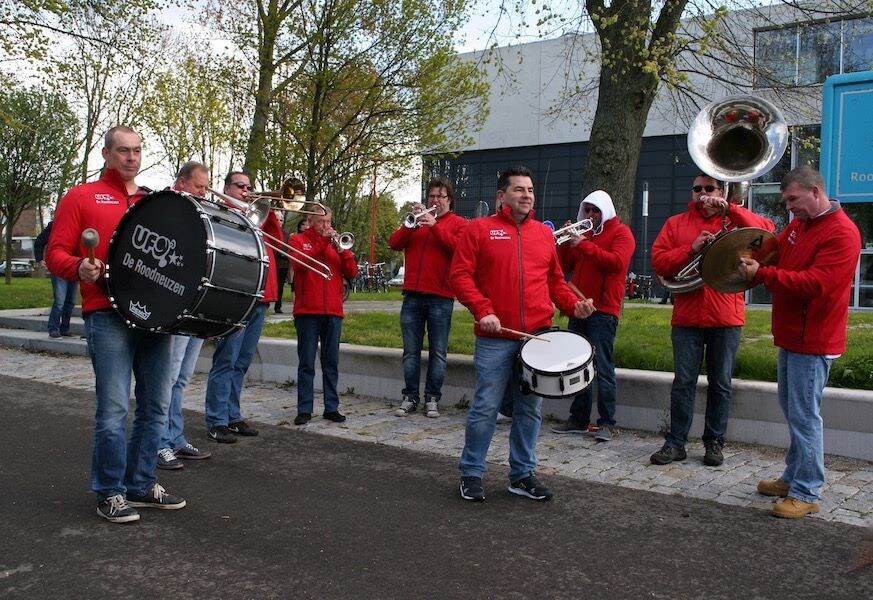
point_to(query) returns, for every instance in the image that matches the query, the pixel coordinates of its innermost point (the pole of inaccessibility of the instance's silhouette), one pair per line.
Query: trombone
(257, 212)
(577, 229)
(411, 220)
(293, 204)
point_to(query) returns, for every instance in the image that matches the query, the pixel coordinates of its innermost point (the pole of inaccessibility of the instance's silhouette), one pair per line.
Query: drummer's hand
(490, 324)
(584, 308)
(90, 273)
(748, 268)
(702, 240)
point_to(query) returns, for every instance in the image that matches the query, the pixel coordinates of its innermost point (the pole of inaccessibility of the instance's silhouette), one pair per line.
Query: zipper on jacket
(520, 276)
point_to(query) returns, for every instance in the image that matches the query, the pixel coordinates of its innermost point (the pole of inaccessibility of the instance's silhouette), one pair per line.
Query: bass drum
(182, 265)
(559, 365)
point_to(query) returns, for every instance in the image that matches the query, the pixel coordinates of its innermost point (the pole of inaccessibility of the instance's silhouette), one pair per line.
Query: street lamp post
(645, 227)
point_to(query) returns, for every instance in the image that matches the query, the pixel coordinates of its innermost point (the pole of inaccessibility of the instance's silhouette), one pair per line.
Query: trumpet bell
(345, 241)
(738, 138)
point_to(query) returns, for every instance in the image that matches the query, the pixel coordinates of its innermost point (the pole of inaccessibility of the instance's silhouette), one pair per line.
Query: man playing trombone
(428, 238)
(318, 313)
(599, 261)
(233, 353)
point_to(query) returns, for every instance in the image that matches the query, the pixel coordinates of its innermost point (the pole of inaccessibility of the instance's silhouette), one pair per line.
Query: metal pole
(645, 227)
(373, 217)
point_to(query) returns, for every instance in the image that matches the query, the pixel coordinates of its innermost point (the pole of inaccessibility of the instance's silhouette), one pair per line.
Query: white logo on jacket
(499, 234)
(105, 199)
(307, 246)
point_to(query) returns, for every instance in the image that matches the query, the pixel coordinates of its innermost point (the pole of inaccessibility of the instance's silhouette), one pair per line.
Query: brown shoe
(773, 487)
(792, 508)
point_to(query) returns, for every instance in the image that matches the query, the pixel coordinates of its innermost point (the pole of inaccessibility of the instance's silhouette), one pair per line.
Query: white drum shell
(558, 366)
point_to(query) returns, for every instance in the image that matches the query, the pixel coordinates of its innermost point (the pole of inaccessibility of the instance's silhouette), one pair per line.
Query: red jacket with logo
(428, 252)
(313, 294)
(811, 283)
(600, 263)
(671, 251)
(99, 205)
(511, 271)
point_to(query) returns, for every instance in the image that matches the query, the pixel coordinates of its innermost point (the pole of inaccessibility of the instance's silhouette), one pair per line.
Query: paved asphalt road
(290, 514)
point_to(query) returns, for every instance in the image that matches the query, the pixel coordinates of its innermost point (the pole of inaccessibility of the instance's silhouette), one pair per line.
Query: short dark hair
(441, 181)
(229, 178)
(719, 184)
(805, 176)
(108, 139)
(295, 184)
(517, 171)
(188, 169)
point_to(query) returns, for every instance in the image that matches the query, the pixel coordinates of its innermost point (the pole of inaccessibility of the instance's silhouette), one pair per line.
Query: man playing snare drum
(506, 272)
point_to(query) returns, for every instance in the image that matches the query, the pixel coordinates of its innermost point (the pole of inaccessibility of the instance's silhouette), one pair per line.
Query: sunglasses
(708, 188)
(242, 186)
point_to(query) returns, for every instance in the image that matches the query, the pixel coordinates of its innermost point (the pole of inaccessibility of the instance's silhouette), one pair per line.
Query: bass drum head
(157, 258)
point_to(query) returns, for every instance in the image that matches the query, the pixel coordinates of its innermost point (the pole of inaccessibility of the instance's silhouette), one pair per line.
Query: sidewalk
(622, 462)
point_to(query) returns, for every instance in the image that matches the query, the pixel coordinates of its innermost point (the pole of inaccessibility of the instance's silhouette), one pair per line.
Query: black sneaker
(302, 418)
(569, 426)
(530, 488)
(471, 489)
(221, 434)
(167, 460)
(242, 428)
(115, 509)
(334, 416)
(157, 497)
(712, 456)
(667, 454)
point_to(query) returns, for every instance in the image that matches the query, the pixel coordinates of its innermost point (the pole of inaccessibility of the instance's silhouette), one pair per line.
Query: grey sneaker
(603, 434)
(667, 454)
(115, 509)
(408, 406)
(157, 497)
(167, 460)
(432, 410)
(569, 426)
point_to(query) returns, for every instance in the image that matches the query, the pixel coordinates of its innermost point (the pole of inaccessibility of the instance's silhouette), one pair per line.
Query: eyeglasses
(443, 197)
(709, 188)
(242, 186)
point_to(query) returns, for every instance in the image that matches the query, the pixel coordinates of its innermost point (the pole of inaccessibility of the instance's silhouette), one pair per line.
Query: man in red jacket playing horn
(810, 283)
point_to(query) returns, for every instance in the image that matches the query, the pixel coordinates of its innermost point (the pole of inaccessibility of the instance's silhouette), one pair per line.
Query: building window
(808, 53)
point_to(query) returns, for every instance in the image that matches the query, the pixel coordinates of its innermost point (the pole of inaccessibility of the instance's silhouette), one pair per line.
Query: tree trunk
(263, 99)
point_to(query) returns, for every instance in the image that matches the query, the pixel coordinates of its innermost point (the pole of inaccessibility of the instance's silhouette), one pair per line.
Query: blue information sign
(847, 136)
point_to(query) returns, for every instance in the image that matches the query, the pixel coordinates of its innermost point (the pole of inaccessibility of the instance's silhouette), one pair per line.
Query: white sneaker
(406, 407)
(501, 418)
(432, 411)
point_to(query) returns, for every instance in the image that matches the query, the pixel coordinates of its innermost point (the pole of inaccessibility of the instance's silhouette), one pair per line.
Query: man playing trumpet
(706, 324)
(428, 299)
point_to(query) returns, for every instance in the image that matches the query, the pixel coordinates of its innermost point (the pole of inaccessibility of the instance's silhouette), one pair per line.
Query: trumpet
(577, 229)
(411, 220)
(257, 213)
(344, 241)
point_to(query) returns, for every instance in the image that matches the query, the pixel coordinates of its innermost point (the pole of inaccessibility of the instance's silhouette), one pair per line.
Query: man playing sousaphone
(706, 324)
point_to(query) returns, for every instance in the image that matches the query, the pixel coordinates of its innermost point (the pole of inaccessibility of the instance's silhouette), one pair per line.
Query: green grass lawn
(642, 342)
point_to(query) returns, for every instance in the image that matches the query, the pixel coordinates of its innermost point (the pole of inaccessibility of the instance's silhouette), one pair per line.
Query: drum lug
(561, 383)
(533, 381)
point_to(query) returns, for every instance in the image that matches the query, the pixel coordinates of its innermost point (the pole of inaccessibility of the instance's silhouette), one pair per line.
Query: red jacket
(272, 227)
(704, 307)
(812, 281)
(600, 263)
(428, 253)
(511, 271)
(99, 205)
(313, 294)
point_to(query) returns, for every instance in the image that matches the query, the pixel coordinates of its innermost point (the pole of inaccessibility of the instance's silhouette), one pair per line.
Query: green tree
(37, 146)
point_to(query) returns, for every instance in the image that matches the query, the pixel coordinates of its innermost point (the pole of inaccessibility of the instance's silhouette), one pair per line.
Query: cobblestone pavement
(624, 461)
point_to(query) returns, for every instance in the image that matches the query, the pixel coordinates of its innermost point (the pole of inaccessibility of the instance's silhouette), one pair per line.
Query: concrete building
(530, 122)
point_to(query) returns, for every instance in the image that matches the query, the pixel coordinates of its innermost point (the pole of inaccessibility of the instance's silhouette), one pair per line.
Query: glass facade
(808, 53)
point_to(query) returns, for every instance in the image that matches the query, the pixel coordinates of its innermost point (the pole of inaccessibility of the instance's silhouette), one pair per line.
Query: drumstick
(90, 239)
(576, 290)
(523, 334)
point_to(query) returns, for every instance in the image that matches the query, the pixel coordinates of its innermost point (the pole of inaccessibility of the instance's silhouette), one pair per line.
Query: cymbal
(719, 267)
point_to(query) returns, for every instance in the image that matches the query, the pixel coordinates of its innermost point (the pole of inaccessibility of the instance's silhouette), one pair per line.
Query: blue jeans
(495, 362)
(599, 328)
(418, 311)
(690, 344)
(801, 380)
(62, 306)
(232, 357)
(120, 465)
(312, 329)
(184, 359)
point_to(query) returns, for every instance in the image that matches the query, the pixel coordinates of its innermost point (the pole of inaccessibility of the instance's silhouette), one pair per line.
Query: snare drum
(558, 366)
(178, 264)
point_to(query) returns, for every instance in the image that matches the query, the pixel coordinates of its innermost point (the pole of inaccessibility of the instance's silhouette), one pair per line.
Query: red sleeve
(559, 291)
(349, 264)
(400, 238)
(619, 254)
(746, 218)
(668, 256)
(448, 231)
(462, 274)
(62, 255)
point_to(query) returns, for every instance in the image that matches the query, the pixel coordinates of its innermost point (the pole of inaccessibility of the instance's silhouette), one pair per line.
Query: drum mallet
(90, 239)
(522, 334)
